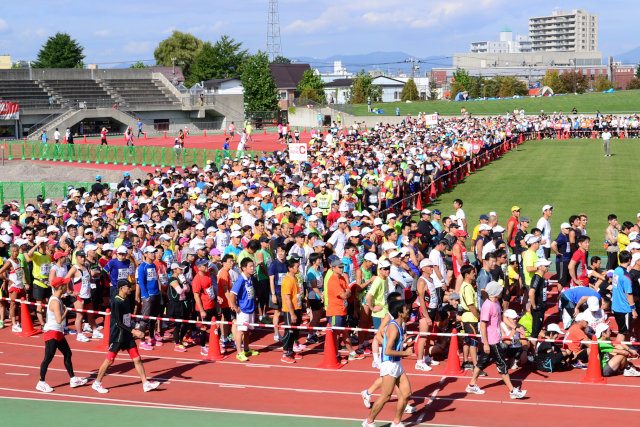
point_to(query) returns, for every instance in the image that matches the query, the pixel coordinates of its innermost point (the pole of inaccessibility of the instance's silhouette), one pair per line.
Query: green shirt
(244, 254)
(529, 259)
(604, 348)
(377, 290)
(468, 299)
(266, 256)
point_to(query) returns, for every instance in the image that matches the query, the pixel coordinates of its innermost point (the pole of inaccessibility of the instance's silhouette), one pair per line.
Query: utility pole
(274, 44)
(414, 67)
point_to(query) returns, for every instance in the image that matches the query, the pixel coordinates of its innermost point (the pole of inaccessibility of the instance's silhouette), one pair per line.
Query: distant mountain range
(630, 57)
(389, 62)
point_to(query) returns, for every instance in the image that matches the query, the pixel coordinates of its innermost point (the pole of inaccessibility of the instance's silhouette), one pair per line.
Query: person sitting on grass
(614, 358)
(550, 357)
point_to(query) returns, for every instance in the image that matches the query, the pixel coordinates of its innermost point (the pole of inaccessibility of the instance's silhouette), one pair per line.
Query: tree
(281, 60)
(60, 51)
(363, 88)
(638, 70)
(520, 88)
(138, 64)
(574, 82)
(409, 91)
(634, 83)
(456, 88)
(476, 89)
(311, 87)
(462, 76)
(260, 91)
(552, 80)
(492, 87)
(229, 58)
(433, 91)
(183, 47)
(506, 88)
(603, 84)
(203, 65)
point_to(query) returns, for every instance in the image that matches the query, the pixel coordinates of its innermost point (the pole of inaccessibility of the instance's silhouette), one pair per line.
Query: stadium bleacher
(88, 91)
(25, 92)
(136, 92)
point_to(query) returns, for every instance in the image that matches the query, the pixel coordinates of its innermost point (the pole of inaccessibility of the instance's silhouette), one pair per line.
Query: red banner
(9, 111)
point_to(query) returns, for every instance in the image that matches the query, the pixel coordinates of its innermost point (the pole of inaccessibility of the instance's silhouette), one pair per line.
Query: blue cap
(127, 244)
(485, 217)
(126, 174)
(98, 177)
(356, 223)
(201, 261)
(437, 212)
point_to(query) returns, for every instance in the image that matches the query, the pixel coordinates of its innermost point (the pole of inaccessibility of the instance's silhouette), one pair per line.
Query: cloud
(102, 33)
(137, 47)
(3, 25)
(207, 29)
(36, 32)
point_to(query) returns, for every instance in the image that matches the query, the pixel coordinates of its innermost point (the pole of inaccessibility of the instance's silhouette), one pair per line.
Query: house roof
(287, 76)
(386, 81)
(215, 83)
(168, 72)
(339, 83)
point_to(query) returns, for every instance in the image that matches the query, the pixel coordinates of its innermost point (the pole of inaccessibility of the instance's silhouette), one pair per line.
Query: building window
(282, 95)
(396, 95)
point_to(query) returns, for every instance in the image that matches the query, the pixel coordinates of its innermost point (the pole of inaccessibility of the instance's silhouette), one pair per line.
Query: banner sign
(9, 111)
(298, 152)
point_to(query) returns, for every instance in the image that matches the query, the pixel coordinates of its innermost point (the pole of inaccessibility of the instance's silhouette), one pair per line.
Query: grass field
(617, 102)
(572, 175)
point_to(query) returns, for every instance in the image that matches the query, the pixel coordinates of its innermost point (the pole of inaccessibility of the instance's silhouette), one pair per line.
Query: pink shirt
(491, 312)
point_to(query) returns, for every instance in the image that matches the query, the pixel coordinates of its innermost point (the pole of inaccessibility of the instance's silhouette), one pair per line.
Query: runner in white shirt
(439, 275)
(338, 239)
(545, 226)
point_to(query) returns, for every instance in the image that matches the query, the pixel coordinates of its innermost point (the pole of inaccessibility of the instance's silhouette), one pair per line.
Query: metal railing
(29, 191)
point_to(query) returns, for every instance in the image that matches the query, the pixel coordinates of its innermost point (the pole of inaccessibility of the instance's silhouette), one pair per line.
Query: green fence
(119, 154)
(28, 191)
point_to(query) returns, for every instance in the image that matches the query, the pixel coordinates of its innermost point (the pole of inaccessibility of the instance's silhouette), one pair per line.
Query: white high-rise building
(506, 44)
(575, 31)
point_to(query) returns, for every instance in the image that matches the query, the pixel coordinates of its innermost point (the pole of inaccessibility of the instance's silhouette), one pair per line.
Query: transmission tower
(274, 46)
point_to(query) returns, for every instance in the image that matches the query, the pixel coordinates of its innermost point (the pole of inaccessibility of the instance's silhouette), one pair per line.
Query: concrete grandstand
(87, 100)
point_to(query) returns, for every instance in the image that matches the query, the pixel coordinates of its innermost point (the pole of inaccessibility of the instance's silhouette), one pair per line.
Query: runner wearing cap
(54, 336)
(179, 304)
(614, 358)
(538, 291)
(292, 295)
(470, 316)
(529, 257)
(40, 255)
(573, 300)
(544, 226)
(550, 357)
(490, 316)
(514, 338)
(512, 227)
(429, 303)
(277, 271)
(574, 342)
(81, 296)
(622, 302)
(562, 249)
(118, 269)
(204, 294)
(148, 290)
(121, 338)
(364, 277)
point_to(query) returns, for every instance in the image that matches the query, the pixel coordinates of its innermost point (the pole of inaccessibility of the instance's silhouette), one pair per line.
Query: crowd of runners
(272, 241)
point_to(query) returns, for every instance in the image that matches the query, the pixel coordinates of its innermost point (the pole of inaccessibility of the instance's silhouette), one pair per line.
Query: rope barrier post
(164, 164)
(153, 158)
(213, 353)
(1, 193)
(25, 320)
(144, 156)
(106, 331)
(23, 149)
(22, 193)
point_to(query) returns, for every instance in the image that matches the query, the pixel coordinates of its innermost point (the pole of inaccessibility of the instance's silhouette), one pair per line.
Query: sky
(126, 31)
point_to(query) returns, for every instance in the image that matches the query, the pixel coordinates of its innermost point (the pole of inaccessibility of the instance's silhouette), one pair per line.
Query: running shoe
(296, 348)
(467, 366)
(1, 324)
(16, 328)
(482, 374)
(242, 357)
(287, 359)
(366, 350)
(97, 334)
(158, 337)
(189, 340)
(204, 351)
(77, 382)
(98, 387)
(158, 343)
(150, 385)
(421, 366)
(356, 356)
(146, 346)
(251, 352)
(474, 389)
(516, 393)
(579, 365)
(167, 334)
(313, 339)
(44, 387)
(297, 356)
(400, 424)
(514, 365)
(409, 409)
(87, 328)
(430, 361)
(180, 348)
(375, 364)
(100, 328)
(631, 372)
(366, 423)
(366, 398)
(277, 337)
(82, 338)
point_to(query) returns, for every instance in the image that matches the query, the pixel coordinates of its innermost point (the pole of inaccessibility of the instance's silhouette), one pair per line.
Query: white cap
(122, 250)
(493, 289)
(384, 264)
(391, 215)
(600, 328)
(593, 303)
(425, 211)
(200, 227)
(52, 229)
(107, 247)
(353, 233)
(635, 258)
(370, 256)
(236, 234)
(511, 314)
(633, 235)
(581, 317)
(6, 239)
(632, 246)
(312, 218)
(530, 239)
(377, 221)
(365, 231)
(426, 263)
(149, 249)
(90, 247)
(492, 213)
(341, 220)
(484, 227)
(498, 229)
(394, 254)
(512, 258)
(387, 246)
(565, 225)
(123, 228)
(553, 327)
(545, 207)
(543, 262)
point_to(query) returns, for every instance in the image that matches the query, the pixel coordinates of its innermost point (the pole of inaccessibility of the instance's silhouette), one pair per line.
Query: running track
(266, 385)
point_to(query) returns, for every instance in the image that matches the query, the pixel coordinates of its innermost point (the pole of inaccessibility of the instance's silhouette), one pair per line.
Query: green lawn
(617, 102)
(572, 175)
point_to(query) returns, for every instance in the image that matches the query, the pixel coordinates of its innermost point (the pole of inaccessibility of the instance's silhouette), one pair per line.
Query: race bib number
(20, 274)
(123, 273)
(544, 293)
(250, 292)
(45, 269)
(126, 319)
(164, 279)
(323, 203)
(373, 199)
(299, 302)
(211, 293)
(152, 274)
(280, 278)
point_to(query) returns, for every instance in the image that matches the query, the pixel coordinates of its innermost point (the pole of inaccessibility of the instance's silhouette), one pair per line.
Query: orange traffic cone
(453, 361)
(594, 373)
(538, 136)
(440, 186)
(330, 360)
(214, 344)
(106, 327)
(25, 319)
(205, 132)
(419, 202)
(433, 194)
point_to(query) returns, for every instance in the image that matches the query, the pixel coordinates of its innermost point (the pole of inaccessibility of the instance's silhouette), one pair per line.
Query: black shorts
(115, 347)
(277, 305)
(316, 304)
(40, 293)
(227, 313)
(73, 299)
(262, 292)
(623, 320)
(563, 272)
(431, 312)
(471, 328)
(497, 353)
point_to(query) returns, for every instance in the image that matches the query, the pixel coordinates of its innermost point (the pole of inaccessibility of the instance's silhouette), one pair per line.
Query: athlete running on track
(121, 338)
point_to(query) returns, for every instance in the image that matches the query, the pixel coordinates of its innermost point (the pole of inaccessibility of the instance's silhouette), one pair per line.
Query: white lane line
(256, 365)
(15, 373)
(356, 393)
(231, 386)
